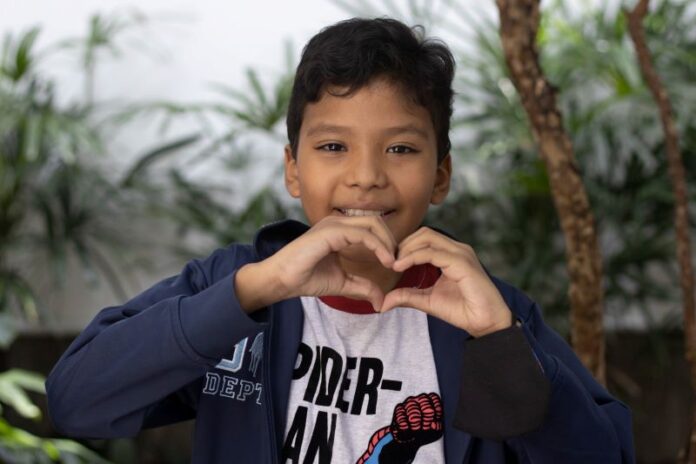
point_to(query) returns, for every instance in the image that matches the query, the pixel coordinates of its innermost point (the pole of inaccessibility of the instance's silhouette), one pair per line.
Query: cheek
(315, 186)
(418, 189)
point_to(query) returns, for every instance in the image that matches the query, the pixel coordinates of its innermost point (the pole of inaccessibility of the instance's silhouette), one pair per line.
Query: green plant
(56, 202)
(19, 446)
(618, 145)
(56, 199)
(218, 208)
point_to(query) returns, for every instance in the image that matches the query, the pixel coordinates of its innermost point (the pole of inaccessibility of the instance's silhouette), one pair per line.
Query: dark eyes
(402, 149)
(332, 147)
(398, 149)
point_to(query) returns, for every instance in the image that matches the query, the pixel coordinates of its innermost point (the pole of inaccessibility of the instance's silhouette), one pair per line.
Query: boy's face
(372, 151)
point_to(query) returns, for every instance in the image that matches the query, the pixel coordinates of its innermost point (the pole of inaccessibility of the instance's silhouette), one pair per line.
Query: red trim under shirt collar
(420, 276)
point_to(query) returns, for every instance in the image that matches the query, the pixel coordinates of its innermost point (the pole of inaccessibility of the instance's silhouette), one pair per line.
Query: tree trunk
(519, 22)
(681, 218)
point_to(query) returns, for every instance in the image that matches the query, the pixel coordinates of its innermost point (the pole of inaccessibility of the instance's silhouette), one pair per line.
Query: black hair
(353, 52)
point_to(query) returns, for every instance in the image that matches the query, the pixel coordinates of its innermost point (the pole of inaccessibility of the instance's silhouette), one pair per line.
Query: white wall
(242, 33)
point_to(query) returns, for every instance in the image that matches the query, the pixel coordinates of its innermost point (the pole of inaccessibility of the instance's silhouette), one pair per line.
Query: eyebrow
(323, 128)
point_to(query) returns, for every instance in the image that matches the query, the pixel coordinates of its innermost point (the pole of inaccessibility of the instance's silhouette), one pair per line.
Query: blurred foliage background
(62, 192)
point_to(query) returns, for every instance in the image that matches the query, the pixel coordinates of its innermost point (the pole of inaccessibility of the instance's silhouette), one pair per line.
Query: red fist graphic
(418, 420)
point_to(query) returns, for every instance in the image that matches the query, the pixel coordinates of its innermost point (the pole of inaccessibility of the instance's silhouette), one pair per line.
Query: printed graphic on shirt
(416, 422)
(242, 386)
(326, 399)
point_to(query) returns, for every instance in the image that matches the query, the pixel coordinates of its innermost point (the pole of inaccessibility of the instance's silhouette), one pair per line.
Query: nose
(367, 169)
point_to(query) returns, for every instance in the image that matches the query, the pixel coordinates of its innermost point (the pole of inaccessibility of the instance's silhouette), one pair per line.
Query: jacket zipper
(270, 423)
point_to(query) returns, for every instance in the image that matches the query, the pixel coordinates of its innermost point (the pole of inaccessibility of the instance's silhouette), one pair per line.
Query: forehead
(378, 107)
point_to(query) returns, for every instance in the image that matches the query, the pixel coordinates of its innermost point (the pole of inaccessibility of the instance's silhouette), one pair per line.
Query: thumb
(418, 298)
(363, 289)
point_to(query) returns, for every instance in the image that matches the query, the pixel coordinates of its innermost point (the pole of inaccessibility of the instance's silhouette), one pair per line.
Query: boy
(363, 338)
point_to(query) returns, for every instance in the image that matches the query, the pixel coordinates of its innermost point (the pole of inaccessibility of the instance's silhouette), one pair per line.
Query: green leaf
(26, 447)
(23, 54)
(13, 384)
(154, 155)
(25, 379)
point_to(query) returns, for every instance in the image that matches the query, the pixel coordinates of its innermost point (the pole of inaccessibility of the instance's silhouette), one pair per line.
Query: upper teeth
(362, 212)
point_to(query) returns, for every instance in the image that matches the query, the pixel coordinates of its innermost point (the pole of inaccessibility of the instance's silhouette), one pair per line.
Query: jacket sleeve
(526, 387)
(141, 364)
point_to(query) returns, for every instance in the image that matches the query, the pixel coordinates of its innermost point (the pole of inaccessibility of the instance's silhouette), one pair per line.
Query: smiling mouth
(364, 212)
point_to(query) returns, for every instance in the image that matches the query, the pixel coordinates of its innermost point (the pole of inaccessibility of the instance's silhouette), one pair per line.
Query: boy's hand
(309, 264)
(463, 296)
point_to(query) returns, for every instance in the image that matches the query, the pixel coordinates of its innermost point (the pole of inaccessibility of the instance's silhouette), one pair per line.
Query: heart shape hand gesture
(463, 296)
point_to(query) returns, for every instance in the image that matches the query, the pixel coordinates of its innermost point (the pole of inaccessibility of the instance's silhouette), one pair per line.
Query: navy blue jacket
(185, 349)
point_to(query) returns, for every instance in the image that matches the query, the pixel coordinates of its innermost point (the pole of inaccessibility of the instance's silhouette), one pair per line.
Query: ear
(292, 183)
(442, 180)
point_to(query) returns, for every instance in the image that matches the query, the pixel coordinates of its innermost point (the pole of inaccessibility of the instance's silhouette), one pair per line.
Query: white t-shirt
(364, 387)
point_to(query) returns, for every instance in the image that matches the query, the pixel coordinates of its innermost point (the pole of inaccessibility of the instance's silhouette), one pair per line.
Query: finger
(415, 414)
(335, 225)
(437, 257)
(412, 248)
(427, 411)
(410, 238)
(345, 235)
(437, 405)
(361, 288)
(418, 298)
(423, 238)
(378, 227)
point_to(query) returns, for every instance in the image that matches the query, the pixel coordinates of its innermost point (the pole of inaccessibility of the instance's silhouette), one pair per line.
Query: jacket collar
(446, 341)
(274, 236)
